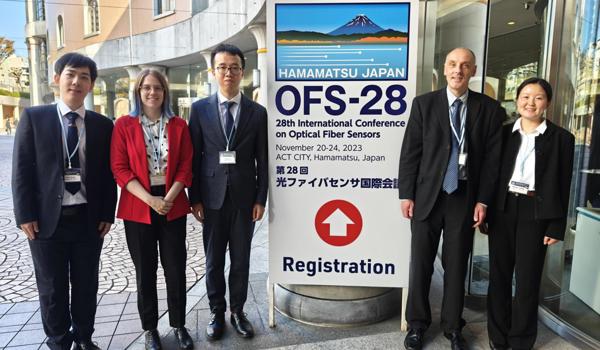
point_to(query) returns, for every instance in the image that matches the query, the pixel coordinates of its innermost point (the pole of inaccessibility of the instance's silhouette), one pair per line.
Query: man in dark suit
(447, 175)
(64, 198)
(229, 189)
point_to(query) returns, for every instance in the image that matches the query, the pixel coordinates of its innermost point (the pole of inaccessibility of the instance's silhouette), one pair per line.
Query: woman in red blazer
(151, 159)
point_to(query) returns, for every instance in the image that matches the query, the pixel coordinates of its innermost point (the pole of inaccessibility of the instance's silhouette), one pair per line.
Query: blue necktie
(451, 178)
(72, 140)
(229, 123)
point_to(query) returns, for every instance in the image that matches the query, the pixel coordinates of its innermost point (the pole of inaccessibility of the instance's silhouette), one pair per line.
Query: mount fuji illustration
(360, 24)
(359, 30)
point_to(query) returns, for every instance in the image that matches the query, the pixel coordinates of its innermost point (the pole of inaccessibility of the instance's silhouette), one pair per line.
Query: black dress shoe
(183, 338)
(241, 324)
(495, 346)
(86, 345)
(216, 326)
(456, 339)
(414, 339)
(153, 340)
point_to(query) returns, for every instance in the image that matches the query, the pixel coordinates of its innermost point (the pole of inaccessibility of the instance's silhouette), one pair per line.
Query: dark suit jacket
(427, 144)
(38, 166)
(248, 178)
(553, 170)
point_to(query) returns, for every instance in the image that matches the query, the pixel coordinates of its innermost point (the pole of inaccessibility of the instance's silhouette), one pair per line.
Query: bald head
(462, 51)
(459, 67)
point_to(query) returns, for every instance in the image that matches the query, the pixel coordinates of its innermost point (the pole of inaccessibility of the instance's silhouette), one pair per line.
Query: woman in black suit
(529, 214)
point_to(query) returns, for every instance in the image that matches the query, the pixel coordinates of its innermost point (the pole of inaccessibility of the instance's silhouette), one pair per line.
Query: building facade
(512, 39)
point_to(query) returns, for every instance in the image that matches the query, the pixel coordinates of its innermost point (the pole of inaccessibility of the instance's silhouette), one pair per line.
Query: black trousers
(453, 216)
(144, 242)
(72, 255)
(233, 226)
(516, 243)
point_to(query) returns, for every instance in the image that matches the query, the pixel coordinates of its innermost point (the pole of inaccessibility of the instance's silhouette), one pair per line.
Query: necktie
(451, 178)
(72, 140)
(229, 123)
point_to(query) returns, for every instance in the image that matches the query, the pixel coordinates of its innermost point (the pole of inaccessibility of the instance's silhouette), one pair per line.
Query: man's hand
(549, 240)
(30, 229)
(103, 228)
(407, 206)
(257, 212)
(479, 214)
(198, 212)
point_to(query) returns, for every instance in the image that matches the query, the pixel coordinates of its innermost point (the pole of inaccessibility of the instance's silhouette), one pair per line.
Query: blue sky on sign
(325, 18)
(12, 24)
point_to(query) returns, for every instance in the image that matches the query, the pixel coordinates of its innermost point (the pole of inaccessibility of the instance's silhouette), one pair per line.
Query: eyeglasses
(149, 88)
(235, 70)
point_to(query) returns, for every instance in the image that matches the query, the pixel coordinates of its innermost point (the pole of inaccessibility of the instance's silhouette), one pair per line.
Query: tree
(6, 48)
(16, 73)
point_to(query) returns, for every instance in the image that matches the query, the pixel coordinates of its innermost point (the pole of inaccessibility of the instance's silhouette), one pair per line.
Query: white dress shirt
(524, 171)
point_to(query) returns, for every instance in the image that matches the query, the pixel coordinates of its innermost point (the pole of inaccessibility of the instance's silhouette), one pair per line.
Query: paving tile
(109, 310)
(104, 329)
(5, 338)
(102, 342)
(129, 326)
(120, 342)
(10, 329)
(119, 298)
(107, 318)
(24, 347)
(30, 327)
(4, 307)
(28, 337)
(15, 319)
(130, 308)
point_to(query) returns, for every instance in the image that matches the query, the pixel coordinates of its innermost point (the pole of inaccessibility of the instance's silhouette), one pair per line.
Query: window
(90, 15)
(162, 7)
(60, 32)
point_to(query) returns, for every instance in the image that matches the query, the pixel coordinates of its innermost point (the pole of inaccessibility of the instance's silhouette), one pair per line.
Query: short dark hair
(230, 49)
(76, 60)
(541, 82)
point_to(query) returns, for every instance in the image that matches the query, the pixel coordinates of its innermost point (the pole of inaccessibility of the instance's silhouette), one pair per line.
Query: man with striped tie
(447, 174)
(64, 198)
(229, 188)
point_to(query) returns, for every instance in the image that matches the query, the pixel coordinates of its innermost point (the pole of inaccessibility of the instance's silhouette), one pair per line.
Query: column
(260, 34)
(89, 101)
(109, 89)
(212, 84)
(133, 72)
(35, 83)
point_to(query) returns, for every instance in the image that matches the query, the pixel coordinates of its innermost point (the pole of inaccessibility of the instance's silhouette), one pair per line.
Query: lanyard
(64, 134)
(528, 153)
(462, 129)
(157, 151)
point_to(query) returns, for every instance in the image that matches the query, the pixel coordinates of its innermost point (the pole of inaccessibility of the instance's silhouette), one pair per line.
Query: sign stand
(403, 322)
(271, 297)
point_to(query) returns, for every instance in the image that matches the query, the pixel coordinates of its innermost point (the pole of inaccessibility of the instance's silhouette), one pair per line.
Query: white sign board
(341, 78)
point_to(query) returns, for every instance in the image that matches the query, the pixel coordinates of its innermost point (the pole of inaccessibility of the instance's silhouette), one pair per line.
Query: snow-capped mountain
(360, 24)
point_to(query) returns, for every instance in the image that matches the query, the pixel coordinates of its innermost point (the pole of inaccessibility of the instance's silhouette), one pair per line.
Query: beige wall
(113, 18)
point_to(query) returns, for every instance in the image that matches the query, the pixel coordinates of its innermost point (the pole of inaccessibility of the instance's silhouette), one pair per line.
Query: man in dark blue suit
(64, 198)
(229, 189)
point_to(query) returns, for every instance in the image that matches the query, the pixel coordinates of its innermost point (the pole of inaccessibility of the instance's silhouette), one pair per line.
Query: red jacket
(128, 161)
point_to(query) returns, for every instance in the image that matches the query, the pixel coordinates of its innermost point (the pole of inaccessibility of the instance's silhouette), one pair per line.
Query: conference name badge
(72, 175)
(462, 159)
(518, 187)
(227, 157)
